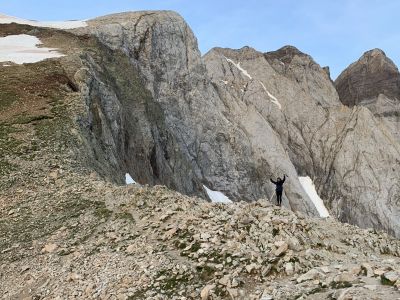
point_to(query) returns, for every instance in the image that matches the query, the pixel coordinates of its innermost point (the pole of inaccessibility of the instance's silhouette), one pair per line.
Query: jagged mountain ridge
(314, 123)
(247, 170)
(188, 99)
(159, 111)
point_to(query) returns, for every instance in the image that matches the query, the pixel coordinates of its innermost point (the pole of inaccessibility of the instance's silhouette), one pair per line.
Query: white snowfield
(309, 188)
(128, 179)
(4, 19)
(217, 197)
(23, 48)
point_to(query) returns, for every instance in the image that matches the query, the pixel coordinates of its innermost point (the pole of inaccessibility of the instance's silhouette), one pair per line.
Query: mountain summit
(372, 75)
(374, 82)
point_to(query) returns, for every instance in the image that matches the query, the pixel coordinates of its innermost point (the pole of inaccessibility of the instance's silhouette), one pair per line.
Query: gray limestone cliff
(341, 148)
(374, 82)
(372, 75)
(155, 113)
(231, 120)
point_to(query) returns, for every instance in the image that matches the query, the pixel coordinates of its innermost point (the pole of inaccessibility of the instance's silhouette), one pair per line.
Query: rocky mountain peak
(245, 52)
(373, 74)
(285, 54)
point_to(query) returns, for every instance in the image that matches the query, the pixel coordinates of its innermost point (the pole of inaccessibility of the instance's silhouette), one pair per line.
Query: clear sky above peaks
(334, 33)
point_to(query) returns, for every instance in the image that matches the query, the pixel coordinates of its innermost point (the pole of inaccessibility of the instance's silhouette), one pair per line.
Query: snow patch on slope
(237, 65)
(128, 179)
(23, 48)
(217, 197)
(273, 98)
(4, 19)
(309, 188)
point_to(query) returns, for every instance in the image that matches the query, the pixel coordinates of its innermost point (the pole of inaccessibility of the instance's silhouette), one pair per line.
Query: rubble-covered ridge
(153, 243)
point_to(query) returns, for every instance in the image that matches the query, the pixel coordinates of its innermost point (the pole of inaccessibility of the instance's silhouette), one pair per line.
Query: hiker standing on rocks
(279, 188)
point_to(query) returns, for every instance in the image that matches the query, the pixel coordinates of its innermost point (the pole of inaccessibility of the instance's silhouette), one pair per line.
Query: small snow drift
(274, 100)
(237, 65)
(4, 19)
(128, 179)
(217, 197)
(309, 188)
(23, 48)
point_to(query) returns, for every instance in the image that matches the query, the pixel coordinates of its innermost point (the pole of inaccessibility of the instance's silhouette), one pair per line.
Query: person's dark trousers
(279, 198)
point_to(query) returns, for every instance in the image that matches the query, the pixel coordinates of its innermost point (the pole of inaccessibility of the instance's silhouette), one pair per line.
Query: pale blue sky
(333, 32)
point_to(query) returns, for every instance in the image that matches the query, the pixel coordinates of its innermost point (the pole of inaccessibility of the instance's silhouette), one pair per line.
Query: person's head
(279, 179)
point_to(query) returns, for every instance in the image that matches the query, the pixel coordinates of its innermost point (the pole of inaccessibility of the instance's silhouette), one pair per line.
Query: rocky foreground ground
(78, 237)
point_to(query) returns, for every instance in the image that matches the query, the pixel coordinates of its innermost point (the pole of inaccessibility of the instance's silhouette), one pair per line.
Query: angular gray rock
(231, 120)
(195, 138)
(364, 80)
(374, 82)
(341, 148)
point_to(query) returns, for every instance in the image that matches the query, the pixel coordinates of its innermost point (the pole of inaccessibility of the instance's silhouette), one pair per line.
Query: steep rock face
(373, 81)
(373, 74)
(230, 121)
(341, 148)
(180, 132)
(235, 121)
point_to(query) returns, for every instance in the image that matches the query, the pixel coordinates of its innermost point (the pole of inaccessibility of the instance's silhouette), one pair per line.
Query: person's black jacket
(279, 184)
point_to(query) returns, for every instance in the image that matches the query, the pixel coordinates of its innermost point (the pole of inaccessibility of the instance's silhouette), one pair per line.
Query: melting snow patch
(244, 72)
(273, 98)
(309, 188)
(23, 48)
(217, 197)
(58, 24)
(128, 179)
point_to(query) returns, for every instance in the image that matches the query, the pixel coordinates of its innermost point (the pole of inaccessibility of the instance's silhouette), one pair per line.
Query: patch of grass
(26, 119)
(6, 167)
(316, 290)
(8, 147)
(65, 252)
(220, 292)
(385, 281)
(340, 284)
(7, 99)
(206, 272)
(180, 244)
(275, 231)
(125, 216)
(138, 295)
(171, 284)
(195, 247)
(102, 211)
(35, 223)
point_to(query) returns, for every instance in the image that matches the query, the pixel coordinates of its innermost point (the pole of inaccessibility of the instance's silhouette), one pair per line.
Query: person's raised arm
(272, 181)
(284, 178)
